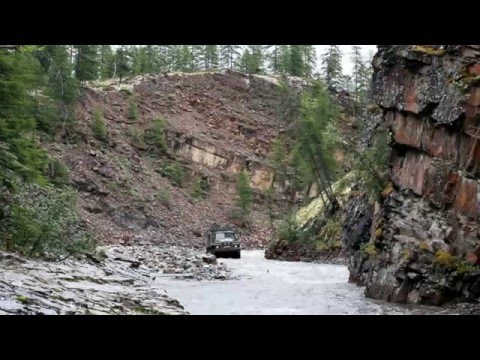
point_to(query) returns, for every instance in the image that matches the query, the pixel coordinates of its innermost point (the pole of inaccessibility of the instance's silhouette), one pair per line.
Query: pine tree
(150, 65)
(56, 61)
(19, 155)
(122, 63)
(316, 137)
(297, 67)
(182, 58)
(86, 65)
(284, 59)
(244, 199)
(163, 58)
(139, 59)
(107, 62)
(309, 57)
(357, 61)
(362, 72)
(274, 59)
(278, 159)
(245, 59)
(197, 52)
(252, 60)
(332, 65)
(210, 57)
(365, 78)
(56, 111)
(257, 59)
(229, 55)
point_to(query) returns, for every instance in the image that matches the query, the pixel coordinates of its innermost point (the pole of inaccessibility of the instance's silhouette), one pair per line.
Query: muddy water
(270, 287)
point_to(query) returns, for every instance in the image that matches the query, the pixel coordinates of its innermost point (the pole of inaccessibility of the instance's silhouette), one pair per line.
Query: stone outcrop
(116, 280)
(424, 242)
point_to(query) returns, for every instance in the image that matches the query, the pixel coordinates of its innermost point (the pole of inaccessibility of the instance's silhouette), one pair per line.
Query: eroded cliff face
(217, 124)
(422, 244)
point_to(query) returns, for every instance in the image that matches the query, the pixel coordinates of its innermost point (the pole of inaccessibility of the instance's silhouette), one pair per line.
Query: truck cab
(223, 240)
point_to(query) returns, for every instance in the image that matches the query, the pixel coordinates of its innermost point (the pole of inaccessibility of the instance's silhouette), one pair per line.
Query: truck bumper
(225, 249)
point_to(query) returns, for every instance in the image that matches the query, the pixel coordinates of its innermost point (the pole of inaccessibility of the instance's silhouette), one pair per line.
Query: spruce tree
(362, 72)
(197, 53)
(229, 55)
(210, 57)
(56, 111)
(296, 67)
(86, 65)
(163, 58)
(274, 59)
(174, 58)
(19, 155)
(122, 63)
(357, 61)
(107, 62)
(139, 59)
(55, 60)
(257, 59)
(284, 59)
(245, 59)
(332, 65)
(244, 198)
(316, 136)
(150, 65)
(278, 159)
(309, 57)
(183, 58)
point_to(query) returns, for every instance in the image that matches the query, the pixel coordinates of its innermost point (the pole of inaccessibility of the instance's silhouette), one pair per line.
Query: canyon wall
(422, 243)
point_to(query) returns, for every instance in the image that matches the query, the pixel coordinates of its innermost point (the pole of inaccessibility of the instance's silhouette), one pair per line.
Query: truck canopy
(217, 227)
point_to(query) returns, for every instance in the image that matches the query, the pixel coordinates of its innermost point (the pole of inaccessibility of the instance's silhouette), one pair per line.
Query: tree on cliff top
(86, 65)
(332, 65)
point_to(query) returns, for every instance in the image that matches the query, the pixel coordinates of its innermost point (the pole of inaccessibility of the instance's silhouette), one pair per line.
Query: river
(270, 287)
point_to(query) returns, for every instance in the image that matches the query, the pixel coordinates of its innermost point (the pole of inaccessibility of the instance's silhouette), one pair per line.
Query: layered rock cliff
(422, 244)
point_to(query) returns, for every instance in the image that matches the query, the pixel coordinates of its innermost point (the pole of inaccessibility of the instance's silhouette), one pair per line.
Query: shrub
(424, 246)
(288, 232)
(43, 222)
(175, 173)
(132, 112)
(58, 173)
(200, 189)
(137, 138)
(165, 197)
(445, 259)
(156, 137)
(329, 235)
(98, 126)
(464, 267)
(369, 249)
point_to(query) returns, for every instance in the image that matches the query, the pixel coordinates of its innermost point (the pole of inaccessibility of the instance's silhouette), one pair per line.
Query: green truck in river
(223, 240)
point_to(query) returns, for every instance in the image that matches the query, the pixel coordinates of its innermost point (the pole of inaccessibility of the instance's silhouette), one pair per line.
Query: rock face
(216, 125)
(423, 244)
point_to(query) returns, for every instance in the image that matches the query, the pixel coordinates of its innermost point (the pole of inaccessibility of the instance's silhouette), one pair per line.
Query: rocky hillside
(217, 124)
(422, 244)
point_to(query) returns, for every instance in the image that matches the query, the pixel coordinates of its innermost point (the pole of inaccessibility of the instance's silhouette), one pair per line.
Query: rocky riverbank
(118, 280)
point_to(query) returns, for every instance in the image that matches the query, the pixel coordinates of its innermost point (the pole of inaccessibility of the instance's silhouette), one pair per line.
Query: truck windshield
(224, 236)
